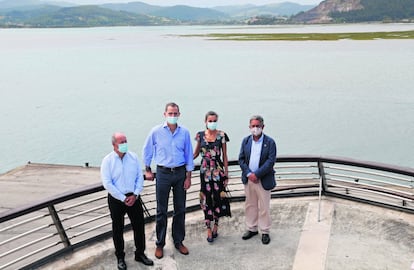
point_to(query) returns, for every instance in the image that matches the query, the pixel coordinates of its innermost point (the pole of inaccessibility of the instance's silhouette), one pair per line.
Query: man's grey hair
(113, 138)
(257, 117)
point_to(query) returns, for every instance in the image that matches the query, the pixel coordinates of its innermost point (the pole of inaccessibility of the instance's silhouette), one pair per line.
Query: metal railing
(33, 235)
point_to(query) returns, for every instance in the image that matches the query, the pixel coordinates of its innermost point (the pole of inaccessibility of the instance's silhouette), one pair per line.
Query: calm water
(63, 92)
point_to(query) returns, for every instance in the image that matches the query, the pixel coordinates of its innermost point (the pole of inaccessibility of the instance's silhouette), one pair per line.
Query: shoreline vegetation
(306, 36)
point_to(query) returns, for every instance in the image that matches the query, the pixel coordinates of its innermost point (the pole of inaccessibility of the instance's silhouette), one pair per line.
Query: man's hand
(130, 200)
(253, 178)
(187, 182)
(149, 176)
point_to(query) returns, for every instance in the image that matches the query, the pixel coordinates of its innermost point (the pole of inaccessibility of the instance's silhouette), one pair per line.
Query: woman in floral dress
(211, 145)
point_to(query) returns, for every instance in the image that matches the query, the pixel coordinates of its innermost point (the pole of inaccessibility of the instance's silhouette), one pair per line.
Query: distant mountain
(334, 11)
(186, 13)
(36, 13)
(79, 16)
(280, 9)
(134, 7)
(30, 4)
(178, 12)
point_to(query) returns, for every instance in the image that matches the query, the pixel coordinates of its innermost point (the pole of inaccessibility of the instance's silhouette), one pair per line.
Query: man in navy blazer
(256, 159)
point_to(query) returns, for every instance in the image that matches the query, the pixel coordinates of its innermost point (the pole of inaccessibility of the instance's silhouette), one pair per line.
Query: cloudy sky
(195, 3)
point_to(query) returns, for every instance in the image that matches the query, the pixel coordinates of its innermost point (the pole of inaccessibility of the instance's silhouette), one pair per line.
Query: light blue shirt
(122, 176)
(169, 149)
(255, 152)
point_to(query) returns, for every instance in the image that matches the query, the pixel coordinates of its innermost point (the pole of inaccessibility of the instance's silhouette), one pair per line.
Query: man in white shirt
(123, 178)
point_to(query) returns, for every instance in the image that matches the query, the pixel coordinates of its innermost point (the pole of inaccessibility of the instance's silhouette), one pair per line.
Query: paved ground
(35, 182)
(348, 235)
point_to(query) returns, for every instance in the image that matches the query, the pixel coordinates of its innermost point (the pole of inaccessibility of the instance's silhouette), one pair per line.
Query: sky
(195, 3)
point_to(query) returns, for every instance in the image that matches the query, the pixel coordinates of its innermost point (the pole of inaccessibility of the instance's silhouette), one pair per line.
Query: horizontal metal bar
(29, 254)
(81, 203)
(373, 186)
(26, 233)
(23, 222)
(366, 179)
(297, 173)
(91, 229)
(28, 244)
(84, 212)
(373, 191)
(368, 172)
(86, 221)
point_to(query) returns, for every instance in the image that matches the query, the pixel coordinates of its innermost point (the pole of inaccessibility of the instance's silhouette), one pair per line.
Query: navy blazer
(265, 172)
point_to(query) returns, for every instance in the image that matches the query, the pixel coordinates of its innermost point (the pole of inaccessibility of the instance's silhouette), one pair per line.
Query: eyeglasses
(253, 126)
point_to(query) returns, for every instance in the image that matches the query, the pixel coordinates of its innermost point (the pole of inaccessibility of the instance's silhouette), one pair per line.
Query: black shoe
(144, 259)
(121, 264)
(265, 239)
(248, 235)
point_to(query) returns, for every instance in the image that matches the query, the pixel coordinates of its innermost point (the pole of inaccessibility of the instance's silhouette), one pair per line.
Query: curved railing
(33, 235)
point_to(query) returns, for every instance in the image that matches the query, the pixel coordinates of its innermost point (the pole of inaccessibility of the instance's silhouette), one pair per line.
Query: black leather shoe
(248, 235)
(265, 239)
(121, 264)
(144, 259)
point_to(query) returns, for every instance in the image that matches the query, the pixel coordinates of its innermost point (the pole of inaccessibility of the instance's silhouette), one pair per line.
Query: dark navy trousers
(167, 180)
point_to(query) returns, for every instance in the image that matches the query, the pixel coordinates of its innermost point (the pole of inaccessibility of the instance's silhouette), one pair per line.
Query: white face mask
(256, 131)
(123, 148)
(172, 120)
(212, 125)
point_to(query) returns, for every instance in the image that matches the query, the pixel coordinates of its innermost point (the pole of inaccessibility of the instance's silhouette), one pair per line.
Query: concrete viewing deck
(349, 235)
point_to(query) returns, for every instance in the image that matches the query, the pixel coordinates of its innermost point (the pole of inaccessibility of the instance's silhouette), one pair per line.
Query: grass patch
(308, 36)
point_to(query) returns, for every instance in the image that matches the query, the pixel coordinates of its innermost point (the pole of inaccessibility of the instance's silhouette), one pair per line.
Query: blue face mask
(172, 120)
(123, 148)
(212, 125)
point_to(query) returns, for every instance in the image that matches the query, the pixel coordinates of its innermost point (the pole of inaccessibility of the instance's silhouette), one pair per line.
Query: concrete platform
(349, 235)
(34, 182)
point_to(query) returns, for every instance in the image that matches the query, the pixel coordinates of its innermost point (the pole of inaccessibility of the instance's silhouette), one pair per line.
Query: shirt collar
(260, 139)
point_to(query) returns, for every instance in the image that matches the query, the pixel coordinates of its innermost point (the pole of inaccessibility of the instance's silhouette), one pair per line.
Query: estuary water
(63, 92)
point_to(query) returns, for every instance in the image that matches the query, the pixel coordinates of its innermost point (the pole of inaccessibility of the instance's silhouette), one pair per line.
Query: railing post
(322, 175)
(322, 186)
(59, 226)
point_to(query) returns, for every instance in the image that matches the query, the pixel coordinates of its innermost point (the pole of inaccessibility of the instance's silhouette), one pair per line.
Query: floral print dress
(212, 176)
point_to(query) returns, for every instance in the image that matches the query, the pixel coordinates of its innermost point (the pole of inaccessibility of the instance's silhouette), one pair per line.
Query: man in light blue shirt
(121, 176)
(169, 145)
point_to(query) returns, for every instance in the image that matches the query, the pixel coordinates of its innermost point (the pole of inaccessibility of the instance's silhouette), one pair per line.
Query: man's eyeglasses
(253, 126)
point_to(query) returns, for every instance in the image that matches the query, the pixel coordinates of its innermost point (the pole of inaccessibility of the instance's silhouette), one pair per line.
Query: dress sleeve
(199, 136)
(224, 137)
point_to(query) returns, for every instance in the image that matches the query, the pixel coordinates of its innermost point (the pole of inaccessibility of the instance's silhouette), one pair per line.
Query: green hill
(78, 16)
(186, 13)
